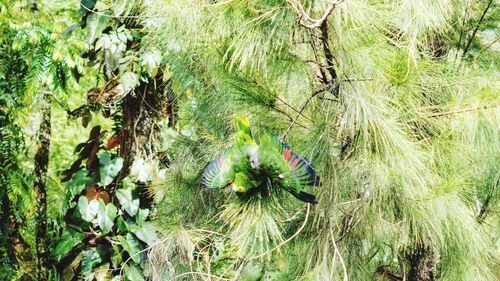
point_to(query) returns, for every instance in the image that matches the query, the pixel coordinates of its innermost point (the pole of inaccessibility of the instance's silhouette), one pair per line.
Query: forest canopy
(249, 140)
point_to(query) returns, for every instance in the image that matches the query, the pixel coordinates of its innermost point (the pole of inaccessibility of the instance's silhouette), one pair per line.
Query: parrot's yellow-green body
(249, 165)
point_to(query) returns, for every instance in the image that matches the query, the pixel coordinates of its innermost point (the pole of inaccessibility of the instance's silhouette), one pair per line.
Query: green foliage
(395, 103)
(402, 148)
(108, 169)
(124, 225)
(128, 199)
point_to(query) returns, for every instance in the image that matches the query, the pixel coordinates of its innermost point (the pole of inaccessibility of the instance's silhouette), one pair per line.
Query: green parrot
(250, 164)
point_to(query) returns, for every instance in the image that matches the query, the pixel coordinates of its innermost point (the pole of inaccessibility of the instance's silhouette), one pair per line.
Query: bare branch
(305, 20)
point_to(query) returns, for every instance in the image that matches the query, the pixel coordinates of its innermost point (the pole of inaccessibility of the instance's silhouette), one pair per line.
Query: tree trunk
(422, 265)
(141, 111)
(41, 164)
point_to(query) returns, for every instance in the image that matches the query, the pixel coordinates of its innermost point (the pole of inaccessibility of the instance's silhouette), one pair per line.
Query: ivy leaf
(132, 273)
(128, 200)
(91, 258)
(147, 233)
(132, 246)
(108, 169)
(106, 215)
(67, 241)
(122, 225)
(141, 216)
(87, 209)
(96, 25)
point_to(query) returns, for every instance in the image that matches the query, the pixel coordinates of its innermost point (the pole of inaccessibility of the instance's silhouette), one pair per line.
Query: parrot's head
(244, 132)
(242, 183)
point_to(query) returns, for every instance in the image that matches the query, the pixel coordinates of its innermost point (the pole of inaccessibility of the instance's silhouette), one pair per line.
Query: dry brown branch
(305, 20)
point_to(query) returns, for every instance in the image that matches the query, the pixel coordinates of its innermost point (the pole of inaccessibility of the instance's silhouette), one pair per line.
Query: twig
(441, 114)
(305, 20)
(489, 45)
(293, 108)
(476, 29)
(337, 253)
(238, 272)
(294, 121)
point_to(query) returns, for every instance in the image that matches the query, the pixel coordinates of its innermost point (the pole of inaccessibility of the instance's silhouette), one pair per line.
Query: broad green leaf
(102, 272)
(141, 216)
(147, 233)
(132, 272)
(68, 240)
(132, 246)
(95, 26)
(106, 215)
(122, 224)
(108, 169)
(87, 209)
(128, 200)
(91, 258)
(75, 186)
(127, 183)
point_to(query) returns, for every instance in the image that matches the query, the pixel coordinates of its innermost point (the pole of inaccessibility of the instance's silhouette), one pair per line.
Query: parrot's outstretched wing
(295, 173)
(303, 172)
(217, 174)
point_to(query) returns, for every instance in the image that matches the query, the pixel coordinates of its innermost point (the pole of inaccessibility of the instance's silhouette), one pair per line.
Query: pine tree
(400, 121)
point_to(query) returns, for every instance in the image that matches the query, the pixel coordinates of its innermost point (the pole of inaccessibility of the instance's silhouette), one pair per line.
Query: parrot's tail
(304, 196)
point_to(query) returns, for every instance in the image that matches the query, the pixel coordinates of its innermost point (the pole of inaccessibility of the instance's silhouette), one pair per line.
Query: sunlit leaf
(75, 186)
(132, 272)
(129, 81)
(88, 210)
(95, 26)
(108, 169)
(147, 233)
(129, 200)
(141, 216)
(132, 246)
(106, 215)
